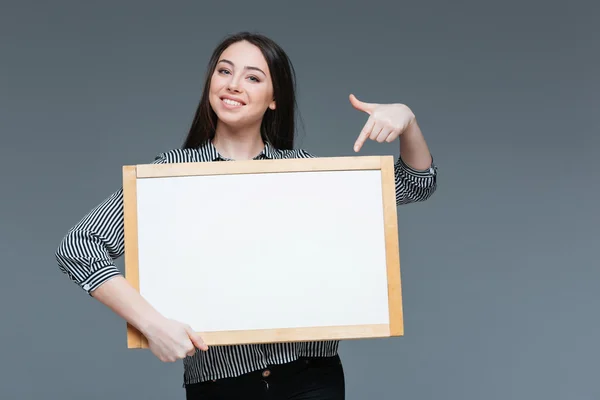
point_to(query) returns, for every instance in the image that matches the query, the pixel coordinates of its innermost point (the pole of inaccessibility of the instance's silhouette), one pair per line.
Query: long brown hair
(278, 126)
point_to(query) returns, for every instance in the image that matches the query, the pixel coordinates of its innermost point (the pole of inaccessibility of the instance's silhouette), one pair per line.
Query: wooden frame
(385, 164)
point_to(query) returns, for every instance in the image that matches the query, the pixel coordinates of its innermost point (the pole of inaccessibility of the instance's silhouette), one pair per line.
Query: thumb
(196, 339)
(361, 105)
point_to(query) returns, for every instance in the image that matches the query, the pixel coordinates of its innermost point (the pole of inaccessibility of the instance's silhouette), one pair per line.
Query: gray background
(500, 269)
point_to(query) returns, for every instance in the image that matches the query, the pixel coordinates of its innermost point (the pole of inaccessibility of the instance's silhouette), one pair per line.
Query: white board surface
(265, 250)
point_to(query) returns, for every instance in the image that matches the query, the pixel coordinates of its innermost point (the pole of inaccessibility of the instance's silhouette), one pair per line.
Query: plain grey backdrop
(500, 267)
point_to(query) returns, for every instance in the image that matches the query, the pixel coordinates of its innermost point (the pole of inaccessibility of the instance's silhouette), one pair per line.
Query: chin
(230, 121)
(235, 120)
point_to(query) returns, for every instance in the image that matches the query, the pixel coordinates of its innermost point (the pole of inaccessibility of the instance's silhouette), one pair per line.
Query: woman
(246, 111)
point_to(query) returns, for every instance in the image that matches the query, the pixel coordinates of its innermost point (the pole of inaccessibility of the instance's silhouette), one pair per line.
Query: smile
(232, 103)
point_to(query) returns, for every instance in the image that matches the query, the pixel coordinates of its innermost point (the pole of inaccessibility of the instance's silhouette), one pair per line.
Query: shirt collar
(208, 148)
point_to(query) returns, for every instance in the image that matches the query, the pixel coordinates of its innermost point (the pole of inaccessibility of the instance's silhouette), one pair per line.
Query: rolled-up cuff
(431, 171)
(96, 279)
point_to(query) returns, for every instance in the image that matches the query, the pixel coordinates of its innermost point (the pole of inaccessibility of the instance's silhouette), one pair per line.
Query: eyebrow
(247, 67)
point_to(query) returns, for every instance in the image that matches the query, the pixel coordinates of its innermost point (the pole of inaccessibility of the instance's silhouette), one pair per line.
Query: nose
(233, 85)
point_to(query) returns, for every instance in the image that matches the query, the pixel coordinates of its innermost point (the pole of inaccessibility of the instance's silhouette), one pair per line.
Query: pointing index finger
(364, 134)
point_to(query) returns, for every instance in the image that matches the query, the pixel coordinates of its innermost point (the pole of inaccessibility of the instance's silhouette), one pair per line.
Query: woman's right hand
(168, 339)
(171, 340)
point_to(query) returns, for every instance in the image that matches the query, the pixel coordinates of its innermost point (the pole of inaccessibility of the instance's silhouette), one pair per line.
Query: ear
(272, 105)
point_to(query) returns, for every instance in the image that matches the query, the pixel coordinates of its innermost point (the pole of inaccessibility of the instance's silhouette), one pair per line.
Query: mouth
(232, 102)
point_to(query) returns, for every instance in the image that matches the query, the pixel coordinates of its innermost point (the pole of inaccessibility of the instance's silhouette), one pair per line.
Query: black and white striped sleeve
(87, 253)
(414, 185)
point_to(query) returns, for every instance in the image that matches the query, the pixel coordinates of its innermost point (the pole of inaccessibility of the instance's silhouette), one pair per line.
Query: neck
(238, 144)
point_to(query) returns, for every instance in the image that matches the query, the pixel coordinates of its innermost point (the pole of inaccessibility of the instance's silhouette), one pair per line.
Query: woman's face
(240, 87)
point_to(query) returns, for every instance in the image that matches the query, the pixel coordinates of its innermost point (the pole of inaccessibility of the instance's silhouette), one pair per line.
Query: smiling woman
(246, 111)
(240, 94)
(249, 98)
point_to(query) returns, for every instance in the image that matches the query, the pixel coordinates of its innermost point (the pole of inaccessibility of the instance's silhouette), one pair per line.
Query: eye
(223, 71)
(254, 78)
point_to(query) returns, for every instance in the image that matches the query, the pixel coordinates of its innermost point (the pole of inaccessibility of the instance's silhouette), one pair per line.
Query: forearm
(413, 148)
(118, 295)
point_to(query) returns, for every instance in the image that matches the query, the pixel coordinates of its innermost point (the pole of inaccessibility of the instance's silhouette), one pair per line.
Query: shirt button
(86, 287)
(266, 373)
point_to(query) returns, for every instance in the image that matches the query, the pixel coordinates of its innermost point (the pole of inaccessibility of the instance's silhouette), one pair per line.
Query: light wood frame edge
(259, 166)
(383, 163)
(392, 248)
(135, 338)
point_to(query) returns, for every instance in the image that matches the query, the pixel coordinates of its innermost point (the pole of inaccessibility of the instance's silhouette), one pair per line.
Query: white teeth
(231, 102)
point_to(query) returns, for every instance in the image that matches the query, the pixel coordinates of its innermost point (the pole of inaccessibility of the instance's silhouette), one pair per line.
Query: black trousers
(318, 378)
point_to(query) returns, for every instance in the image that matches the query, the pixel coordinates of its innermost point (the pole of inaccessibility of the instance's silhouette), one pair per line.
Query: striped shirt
(87, 253)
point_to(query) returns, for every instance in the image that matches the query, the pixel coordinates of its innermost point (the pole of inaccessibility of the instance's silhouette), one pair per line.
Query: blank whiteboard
(264, 251)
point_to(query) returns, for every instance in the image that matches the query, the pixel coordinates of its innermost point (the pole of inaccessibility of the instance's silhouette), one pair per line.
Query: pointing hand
(386, 122)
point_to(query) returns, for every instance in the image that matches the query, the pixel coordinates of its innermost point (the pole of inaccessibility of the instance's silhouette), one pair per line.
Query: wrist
(150, 322)
(411, 131)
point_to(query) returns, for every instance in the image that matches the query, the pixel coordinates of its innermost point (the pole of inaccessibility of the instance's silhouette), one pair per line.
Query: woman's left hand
(386, 121)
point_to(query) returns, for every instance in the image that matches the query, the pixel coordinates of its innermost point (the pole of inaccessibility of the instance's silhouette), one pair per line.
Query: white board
(289, 254)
